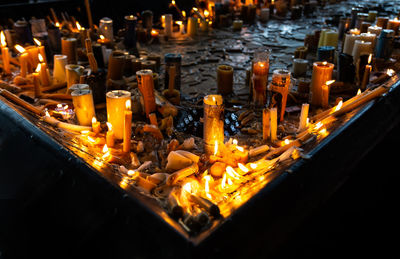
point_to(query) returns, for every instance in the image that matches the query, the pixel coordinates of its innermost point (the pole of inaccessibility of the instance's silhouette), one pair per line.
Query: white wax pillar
(349, 43)
(60, 61)
(73, 74)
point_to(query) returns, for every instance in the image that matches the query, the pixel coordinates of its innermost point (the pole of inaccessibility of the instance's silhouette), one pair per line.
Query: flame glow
(19, 48)
(329, 82)
(109, 126)
(102, 37)
(339, 106)
(243, 168)
(78, 26)
(37, 42)
(3, 39)
(128, 105)
(94, 120)
(40, 58)
(359, 92)
(38, 68)
(369, 58)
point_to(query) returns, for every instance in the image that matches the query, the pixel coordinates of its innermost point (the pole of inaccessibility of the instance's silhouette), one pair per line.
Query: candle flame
(109, 126)
(324, 63)
(3, 39)
(38, 68)
(19, 48)
(253, 166)
(105, 149)
(329, 82)
(154, 32)
(359, 92)
(85, 132)
(37, 42)
(318, 125)
(57, 24)
(232, 173)
(339, 106)
(369, 58)
(40, 58)
(286, 142)
(390, 72)
(243, 168)
(187, 187)
(234, 142)
(223, 182)
(207, 179)
(184, 14)
(102, 37)
(128, 105)
(173, 2)
(47, 114)
(94, 120)
(396, 19)
(78, 26)
(179, 23)
(195, 9)
(206, 13)
(241, 149)
(91, 139)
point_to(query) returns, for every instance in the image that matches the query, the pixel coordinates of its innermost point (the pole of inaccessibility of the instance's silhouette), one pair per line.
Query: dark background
(360, 219)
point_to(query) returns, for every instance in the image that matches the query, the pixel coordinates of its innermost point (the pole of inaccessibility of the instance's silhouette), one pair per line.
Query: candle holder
(106, 28)
(116, 105)
(213, 127)
(260, 77)
(278, 91)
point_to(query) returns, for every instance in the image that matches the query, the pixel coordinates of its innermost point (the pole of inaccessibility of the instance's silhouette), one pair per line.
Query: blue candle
(384, 45)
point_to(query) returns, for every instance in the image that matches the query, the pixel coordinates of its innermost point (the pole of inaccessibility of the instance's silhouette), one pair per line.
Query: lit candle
(274, 123)
(36, 83)
(361, 47)
(5, 54)
(279, 89)
(60, 61)
(355, 31)
(393, 25)
(349, 43)
(127, 127)
(303, 117)
(367, 72)
(110, 136)
(84, 106)
(106, 28)
(260, 77)
(322, 72)
(41, 49)
(300, 67)
(225, 79)
(43, 72)
(369, 37)
(33, 55)
(73, 74)
(116, 101)
(325, 94)
(146, 87)
(69, 48)
(96, 125)
(213, 127)
(375, 30)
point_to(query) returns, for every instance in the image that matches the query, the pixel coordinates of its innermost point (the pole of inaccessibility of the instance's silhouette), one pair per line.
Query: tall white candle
(60, 61)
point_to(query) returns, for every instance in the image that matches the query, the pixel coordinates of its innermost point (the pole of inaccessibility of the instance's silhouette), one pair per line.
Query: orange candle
(110, 139)
(43, 72)
(23, 62)
(5, 54)
(36, 84)
(322, 72)
(96, 125)
(127, 128)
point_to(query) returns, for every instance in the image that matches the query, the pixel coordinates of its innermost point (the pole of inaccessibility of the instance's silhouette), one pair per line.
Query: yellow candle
(213, 127)
(36, 85)
(33, 56)
(41, 49)
(116, 101)
(225, 79)
(127, 127)
(274, 123)
(23, 62)
(266, 123)
(43, 72)
(325, 93)
(322, 72)
(96, 125)
(84, 106)
(110, 136)
(146, 87)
